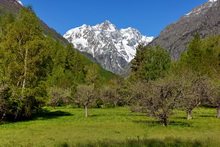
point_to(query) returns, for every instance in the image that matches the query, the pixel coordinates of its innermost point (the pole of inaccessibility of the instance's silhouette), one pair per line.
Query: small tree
(138, 93)
(193, 90)
(85, 95)
(157, 99)
(214, 97)
(162, 99)
(113, 92)
(110, 95)
(58, 96)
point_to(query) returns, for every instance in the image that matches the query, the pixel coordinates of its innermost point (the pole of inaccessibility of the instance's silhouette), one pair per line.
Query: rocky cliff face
(204, 20)
(112, 48)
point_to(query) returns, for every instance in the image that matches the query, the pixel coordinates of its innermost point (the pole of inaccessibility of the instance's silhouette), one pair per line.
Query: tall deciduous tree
(24, 53)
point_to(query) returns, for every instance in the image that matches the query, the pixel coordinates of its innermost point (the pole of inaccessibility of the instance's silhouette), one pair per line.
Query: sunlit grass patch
(66, 126)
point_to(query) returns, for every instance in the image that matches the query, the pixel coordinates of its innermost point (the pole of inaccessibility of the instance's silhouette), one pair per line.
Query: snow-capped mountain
(203, 19)
(111, 47)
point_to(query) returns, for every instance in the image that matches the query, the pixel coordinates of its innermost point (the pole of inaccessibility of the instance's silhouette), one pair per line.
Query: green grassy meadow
(67, 126)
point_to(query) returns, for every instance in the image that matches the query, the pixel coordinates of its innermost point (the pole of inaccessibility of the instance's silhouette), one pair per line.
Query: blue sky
(148, 16)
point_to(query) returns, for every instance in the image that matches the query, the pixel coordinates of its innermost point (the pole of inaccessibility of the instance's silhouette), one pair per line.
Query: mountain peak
(112, 48)
(107, 22)
(106, 26)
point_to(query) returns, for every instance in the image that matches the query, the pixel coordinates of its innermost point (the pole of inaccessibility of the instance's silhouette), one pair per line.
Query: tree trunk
(25, 71)
(189, 114)
(3, 116)
(17, 115)
(165, 121)
(86, 111)
(116, 103)
(218, 112)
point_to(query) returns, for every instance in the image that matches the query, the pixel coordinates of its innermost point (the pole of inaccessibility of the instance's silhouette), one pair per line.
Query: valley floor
(116, 127)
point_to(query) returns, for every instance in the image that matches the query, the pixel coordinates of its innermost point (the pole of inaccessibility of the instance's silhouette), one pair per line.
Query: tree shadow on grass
(167, 142)
(179, 123)
(45, 114)
(98, 115)
(207, 115)
(181, 117)
(153, 123)
(120, 115)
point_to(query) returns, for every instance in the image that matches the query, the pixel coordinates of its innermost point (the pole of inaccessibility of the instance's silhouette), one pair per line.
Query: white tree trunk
(189, 114)
(86, 111)
(218, 112)
(25, 71)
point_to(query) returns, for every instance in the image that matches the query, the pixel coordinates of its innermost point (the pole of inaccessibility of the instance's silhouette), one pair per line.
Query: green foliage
(92, 76)
(195, 68)
(156, 63)
(59, 96)
(37, 69)
(203, 57)
(113, 92)
(138, 59)
(23, 54)
(194, 53)
(106, 75)
(214, 95)
(150, 63)
(180, 84)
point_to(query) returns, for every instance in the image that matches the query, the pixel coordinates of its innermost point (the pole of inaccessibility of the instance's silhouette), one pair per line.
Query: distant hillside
(204, 20)
(12, 6)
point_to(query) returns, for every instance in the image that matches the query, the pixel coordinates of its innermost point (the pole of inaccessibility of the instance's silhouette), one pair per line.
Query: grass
(111, 127)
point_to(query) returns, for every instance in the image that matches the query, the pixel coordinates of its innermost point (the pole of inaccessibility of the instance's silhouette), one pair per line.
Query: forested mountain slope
(13, 6)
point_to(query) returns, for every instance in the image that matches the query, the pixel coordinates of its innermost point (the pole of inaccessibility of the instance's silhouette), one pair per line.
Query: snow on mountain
(19, 2)
(202, 8)
(112, 48)
(212, 0)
